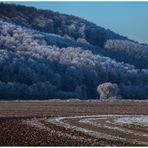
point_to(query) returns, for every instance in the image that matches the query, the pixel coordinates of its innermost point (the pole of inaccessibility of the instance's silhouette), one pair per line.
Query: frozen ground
(106, 126)
(80, 123)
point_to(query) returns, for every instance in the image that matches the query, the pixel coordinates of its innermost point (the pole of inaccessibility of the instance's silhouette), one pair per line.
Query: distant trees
(31, 67)
(53, 22)
(128, 51)
(83, 41)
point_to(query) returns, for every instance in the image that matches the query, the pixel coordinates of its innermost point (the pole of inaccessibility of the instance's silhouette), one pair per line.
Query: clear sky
(127, 18)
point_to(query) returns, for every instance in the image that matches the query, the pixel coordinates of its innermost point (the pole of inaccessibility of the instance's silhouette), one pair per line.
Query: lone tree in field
(108, 91)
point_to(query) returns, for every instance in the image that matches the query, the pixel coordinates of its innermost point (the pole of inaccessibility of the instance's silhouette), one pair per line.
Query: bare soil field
(27, 123)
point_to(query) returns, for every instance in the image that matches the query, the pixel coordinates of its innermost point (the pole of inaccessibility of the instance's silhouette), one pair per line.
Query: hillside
(46, 55)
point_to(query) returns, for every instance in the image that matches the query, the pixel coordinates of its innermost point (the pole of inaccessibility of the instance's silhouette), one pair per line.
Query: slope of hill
(78, 29)
(57, 23)
(45, 55)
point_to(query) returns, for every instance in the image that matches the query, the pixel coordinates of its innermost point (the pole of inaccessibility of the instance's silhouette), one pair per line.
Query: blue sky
(127, 18)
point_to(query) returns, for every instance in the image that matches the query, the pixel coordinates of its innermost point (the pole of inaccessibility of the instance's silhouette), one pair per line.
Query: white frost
(139, 120)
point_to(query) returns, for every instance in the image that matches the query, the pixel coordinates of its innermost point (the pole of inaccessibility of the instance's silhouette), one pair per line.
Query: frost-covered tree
(108, 91)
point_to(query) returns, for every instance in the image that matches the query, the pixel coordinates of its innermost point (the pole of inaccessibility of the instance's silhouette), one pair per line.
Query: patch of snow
(137, 120)
(114, 127)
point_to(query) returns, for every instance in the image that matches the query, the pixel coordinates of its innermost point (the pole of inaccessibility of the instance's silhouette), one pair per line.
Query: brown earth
(14, 133)
(52, 109)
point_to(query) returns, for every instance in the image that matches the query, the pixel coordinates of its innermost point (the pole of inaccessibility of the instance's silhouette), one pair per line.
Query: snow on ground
(95, 122)
(36, 123)
(60, 121)
(137, 120)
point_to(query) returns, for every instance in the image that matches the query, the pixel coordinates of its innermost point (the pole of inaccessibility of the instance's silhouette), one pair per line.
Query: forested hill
(46, 55)
(57, 23)
(79, 30)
